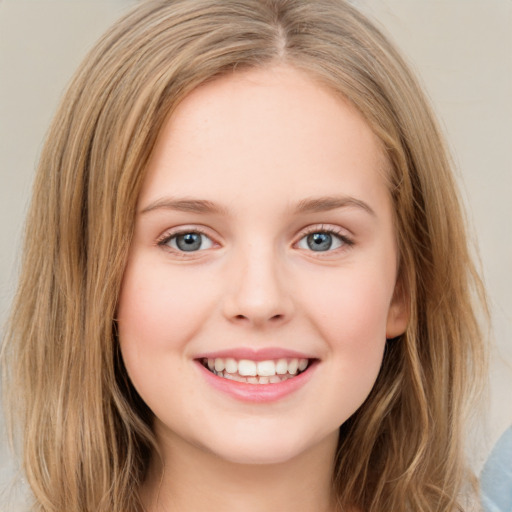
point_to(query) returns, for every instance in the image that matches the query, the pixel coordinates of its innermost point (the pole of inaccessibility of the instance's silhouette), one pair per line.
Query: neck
(193, 480)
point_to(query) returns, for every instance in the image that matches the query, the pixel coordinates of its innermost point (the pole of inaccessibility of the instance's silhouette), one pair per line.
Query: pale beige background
(461, 48)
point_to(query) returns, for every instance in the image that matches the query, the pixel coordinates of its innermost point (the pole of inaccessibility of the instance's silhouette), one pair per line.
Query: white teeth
(256, 372)
(266, 368)
(252, 380)
(246, 367)
(282, 367)
(293, 366)
(231, 365)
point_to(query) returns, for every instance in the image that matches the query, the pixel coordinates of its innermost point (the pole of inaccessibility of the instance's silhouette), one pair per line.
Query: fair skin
(264, 232)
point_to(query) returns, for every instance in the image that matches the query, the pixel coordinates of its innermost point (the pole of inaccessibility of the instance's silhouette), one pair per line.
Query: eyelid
(327, 228)
(163, 239)
(315, 228)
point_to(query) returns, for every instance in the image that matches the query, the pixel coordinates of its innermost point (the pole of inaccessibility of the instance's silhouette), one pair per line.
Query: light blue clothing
(496, 476)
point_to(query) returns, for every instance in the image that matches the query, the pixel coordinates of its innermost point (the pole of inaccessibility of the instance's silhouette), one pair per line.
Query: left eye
(189, 242)
(321, 241)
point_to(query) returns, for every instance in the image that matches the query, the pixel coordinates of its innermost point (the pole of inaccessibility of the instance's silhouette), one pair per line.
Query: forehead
(251, 130)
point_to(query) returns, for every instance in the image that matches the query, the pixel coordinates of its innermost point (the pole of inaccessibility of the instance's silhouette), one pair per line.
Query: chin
(253, 457)
(265, 449)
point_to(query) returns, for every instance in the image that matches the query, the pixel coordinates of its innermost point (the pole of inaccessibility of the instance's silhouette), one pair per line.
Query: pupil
(319, 241)
(189, 242)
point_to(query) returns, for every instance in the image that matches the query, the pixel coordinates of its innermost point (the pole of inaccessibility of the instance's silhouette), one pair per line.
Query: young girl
(246, 284)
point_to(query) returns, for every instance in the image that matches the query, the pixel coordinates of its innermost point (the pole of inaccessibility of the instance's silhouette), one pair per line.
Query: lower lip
(258, 392)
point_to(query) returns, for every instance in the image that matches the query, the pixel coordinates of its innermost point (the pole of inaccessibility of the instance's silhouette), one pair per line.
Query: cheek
(350, 305)
(160, 309)
(349, 309)
(158, 313)
(351, 318)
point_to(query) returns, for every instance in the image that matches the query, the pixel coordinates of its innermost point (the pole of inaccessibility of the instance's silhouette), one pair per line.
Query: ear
(399, 311)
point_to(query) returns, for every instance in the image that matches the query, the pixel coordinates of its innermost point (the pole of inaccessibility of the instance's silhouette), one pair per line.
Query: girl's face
(264, 242)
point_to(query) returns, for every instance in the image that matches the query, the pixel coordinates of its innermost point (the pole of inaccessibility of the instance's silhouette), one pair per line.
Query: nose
(258, 291)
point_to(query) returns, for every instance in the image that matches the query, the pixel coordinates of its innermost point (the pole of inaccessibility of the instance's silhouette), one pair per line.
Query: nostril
(274, 319)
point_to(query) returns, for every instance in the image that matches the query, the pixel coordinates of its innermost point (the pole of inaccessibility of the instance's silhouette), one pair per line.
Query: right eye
(321, 241)
(191, 241)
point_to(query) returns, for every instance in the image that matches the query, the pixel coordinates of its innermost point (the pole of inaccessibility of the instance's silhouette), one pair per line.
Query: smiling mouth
(271, 371)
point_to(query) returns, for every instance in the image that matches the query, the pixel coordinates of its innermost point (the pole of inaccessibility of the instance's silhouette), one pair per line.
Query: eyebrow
(322, 204)
(184, 205)
(308, 205)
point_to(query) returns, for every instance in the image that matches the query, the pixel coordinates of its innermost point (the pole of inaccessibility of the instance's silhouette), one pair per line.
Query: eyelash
(347, 242)
(167, 237)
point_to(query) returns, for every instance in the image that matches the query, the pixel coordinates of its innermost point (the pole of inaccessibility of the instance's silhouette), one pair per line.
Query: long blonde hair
(86, 435)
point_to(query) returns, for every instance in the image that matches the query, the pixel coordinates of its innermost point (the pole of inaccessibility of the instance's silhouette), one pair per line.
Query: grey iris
(189, 242)
(319, 241)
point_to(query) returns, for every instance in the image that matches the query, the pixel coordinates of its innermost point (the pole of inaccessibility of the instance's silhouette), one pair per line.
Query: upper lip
(255, 354)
